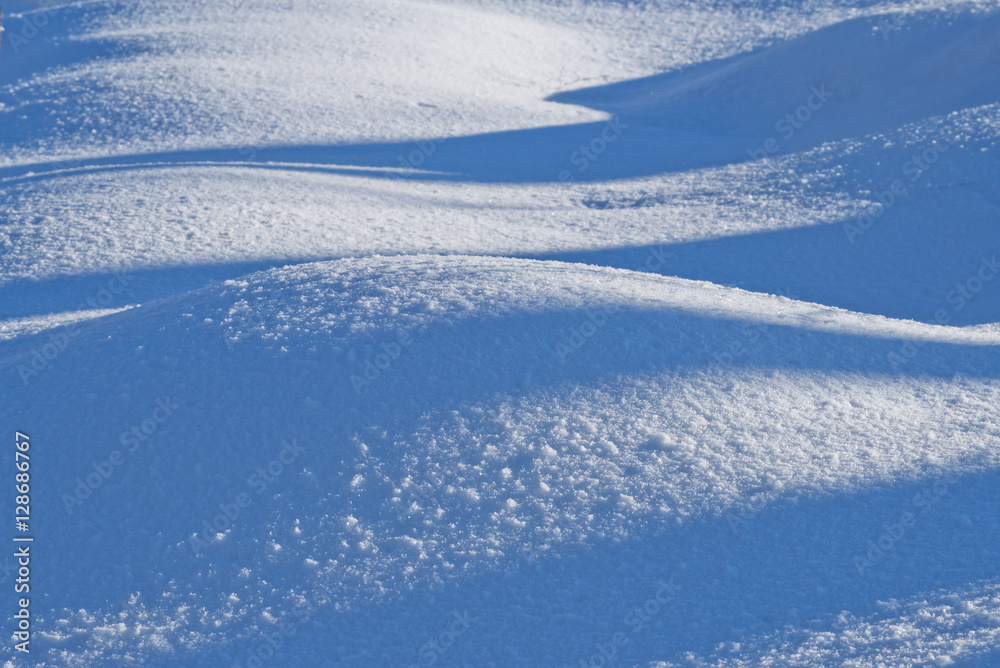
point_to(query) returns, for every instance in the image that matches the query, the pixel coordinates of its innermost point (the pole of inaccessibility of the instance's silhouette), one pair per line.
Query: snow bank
(310, 442)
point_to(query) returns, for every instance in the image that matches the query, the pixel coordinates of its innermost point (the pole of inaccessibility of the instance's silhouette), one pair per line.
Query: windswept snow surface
(503, 333)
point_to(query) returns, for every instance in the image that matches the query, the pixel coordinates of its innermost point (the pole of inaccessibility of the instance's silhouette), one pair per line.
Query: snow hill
(504, 333)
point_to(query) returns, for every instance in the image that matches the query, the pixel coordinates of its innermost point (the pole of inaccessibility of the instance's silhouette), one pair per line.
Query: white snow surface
(503, 332)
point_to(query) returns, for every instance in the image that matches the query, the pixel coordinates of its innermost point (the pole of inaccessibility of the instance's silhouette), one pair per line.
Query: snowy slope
(496, 334)
(561, 408)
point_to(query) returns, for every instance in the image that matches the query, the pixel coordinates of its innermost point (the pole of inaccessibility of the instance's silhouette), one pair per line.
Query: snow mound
(318, 448)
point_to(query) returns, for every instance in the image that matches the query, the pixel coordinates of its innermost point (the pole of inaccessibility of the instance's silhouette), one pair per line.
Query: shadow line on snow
(675, 338)
(28, 297)
(907, 265)
(788, 566)
(709, 114)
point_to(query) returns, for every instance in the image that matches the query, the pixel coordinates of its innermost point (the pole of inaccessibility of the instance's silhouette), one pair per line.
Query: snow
(504, 333)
